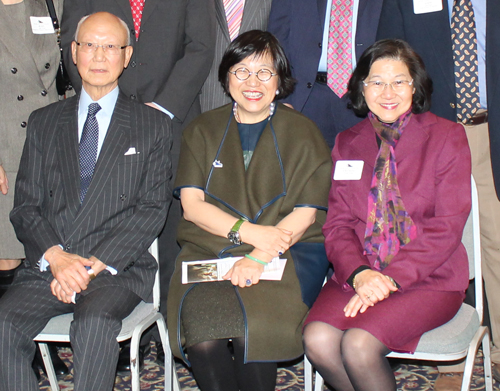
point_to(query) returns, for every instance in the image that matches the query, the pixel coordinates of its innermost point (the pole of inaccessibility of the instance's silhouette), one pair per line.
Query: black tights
(216, 368)
(348, 360)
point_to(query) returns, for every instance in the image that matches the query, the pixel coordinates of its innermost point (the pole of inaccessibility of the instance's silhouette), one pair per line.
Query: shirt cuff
(43, 264)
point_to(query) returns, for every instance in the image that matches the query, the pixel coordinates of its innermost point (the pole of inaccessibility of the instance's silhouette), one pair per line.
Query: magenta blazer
(434, 176)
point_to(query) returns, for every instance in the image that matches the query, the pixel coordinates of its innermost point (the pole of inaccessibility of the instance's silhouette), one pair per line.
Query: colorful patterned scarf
(388, 225)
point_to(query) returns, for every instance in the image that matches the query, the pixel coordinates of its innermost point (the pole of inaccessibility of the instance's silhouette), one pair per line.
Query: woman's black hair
(257, 43)
(394, 49)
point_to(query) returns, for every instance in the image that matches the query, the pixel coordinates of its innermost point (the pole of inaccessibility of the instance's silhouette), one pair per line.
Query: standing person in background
(303, 29)
(234, 17)
(28, 66)
(432, 33)
(173, 44)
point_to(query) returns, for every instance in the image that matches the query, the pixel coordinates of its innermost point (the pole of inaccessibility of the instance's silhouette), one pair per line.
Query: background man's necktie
(234, 14)
(88, 149)
(463, 36)
(339, 60)
(137, 7)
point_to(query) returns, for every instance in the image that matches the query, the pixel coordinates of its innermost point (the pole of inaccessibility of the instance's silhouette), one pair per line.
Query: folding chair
(460, 337)
(141, 318)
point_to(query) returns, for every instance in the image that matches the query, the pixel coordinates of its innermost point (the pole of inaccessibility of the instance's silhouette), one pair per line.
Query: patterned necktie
(88, 149)
(339, 62)
(463, 36)
(234, 14)
(137, 7)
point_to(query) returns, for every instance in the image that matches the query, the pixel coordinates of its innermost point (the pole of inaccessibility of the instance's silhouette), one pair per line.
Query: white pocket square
(131, 151)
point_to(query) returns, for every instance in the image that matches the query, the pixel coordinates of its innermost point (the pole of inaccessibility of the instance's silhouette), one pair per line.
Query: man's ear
(128, 55)
(73, 51)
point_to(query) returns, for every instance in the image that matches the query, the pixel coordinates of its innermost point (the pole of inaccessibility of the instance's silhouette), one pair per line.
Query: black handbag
(63, 82)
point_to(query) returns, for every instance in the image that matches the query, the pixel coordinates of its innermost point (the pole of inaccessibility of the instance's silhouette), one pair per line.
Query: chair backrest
(471, 239)
(153, 250)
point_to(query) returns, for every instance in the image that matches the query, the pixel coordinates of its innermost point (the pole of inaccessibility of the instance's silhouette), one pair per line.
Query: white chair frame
(480, 337)
(143, 316)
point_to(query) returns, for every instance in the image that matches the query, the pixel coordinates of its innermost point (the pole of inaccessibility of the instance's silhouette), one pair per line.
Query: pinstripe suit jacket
(125, 206)
(255, 16)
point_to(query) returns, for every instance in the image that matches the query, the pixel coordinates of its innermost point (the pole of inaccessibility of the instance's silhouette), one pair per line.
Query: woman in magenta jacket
(399, 201)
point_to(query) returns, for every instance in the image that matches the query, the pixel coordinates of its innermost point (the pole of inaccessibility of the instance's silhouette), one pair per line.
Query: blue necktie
(88, 149)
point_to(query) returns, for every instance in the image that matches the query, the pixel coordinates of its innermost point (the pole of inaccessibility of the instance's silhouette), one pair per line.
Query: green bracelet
(255, 259)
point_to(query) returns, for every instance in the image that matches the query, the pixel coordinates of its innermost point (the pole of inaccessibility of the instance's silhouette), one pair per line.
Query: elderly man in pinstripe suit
(91, 195)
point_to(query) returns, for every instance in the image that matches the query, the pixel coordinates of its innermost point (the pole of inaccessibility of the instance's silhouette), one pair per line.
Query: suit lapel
(149, 8)
(113, 147)
(437, 24)
(322, 12)
(67, 146)
(220, 14)
(127, 11)
(249, 11)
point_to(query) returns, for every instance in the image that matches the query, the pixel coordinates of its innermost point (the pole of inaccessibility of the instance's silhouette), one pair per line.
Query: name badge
(427, 6)
(348, 170)
(41, 25)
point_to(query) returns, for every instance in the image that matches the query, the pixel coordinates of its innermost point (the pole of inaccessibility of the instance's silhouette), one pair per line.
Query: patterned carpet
(410, 377)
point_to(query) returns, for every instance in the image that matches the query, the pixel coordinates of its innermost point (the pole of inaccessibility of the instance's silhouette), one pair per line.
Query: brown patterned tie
(463, 36)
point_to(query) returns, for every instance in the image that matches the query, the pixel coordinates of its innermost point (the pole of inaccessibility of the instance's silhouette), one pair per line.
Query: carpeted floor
(410, 377)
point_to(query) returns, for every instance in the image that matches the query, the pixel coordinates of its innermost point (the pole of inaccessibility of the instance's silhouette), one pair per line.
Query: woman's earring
(277, 92)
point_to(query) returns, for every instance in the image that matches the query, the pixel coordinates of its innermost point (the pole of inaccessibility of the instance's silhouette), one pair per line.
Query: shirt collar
(107, 103)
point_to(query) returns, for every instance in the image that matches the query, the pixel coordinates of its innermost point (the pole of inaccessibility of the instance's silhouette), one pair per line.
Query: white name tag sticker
(41, 25)
(348, 170)
(427, 6)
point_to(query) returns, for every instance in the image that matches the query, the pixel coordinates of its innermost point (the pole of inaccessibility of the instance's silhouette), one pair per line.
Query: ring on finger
(248, 282)
(280, 252)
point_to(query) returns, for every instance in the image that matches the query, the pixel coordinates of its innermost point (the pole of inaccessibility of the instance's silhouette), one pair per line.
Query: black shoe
(123, 366)
(60, 367)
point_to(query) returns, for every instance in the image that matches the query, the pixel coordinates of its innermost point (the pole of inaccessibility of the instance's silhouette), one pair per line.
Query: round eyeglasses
(243, 74)
(397, 85)
(89, 47)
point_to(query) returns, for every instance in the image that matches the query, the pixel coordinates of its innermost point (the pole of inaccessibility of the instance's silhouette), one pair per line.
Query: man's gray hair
(121, 22)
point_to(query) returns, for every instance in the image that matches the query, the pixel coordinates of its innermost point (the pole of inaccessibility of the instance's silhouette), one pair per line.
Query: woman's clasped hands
(268, 242)
(371, 287)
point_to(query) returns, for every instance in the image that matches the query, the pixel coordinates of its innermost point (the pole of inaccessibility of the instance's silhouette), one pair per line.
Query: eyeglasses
(243, 74)
(89, 47)
(397, 85)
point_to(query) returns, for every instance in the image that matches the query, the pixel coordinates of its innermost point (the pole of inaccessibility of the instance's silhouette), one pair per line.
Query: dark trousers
(329, 112)
(27, 307)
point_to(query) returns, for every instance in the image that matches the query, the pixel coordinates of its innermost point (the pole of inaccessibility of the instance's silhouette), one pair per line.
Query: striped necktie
(88, 149)
(464, 40)
(339, 60)
(234, 14)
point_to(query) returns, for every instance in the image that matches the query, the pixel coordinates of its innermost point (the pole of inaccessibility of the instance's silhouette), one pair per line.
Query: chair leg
(171, 381)
(488, 380)
(318, 382)
(135, 380)
(479, 338)
(308, 375)
(49, 368)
